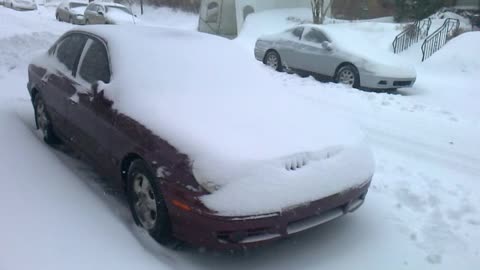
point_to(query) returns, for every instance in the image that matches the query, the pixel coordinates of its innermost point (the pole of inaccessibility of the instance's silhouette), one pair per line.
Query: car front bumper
(78, 19)
(24, 6)
(372, 81)
(231, 233)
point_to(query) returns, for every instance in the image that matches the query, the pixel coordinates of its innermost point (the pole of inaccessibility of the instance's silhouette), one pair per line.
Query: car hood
(117, 17)
(382, 64)
(78, 10)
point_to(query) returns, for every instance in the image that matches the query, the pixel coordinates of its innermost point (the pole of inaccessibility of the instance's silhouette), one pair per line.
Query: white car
(21, 4)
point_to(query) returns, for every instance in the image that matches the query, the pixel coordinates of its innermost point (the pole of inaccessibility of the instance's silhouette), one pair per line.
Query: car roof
(109, 4)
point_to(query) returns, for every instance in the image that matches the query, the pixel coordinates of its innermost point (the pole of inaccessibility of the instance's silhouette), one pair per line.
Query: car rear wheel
(43, 122)
(272, 59)
(57, 17)
(147, 202)
(348, 75)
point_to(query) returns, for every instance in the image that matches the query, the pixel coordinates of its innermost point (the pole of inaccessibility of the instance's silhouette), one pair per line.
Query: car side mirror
(99, 93)
(327, 46)
(100, 13)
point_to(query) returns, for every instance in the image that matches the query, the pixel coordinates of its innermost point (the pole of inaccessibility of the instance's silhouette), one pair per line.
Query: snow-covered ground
(423, 211)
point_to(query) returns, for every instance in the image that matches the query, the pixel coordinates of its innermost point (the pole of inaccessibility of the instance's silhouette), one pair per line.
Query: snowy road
(423, 211)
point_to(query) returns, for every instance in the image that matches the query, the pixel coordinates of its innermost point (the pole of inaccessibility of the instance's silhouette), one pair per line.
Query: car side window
(316, 36)
(69, 49)
(297, 32)
(95, 65)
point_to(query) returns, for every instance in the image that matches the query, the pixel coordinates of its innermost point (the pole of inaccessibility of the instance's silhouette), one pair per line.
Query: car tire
(147, 203)
(348, 75)
(57, 17)
(43, 121)
(273, 60)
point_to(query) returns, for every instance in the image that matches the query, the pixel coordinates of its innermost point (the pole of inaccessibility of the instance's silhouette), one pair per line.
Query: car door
(288, 46)
(57, 82)
(314, 56)
(91, 113)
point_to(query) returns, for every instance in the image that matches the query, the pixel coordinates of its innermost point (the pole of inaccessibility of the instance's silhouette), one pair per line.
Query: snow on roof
(214, 102)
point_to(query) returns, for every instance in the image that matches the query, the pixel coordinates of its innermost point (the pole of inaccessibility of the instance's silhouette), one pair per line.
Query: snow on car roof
(111, 4)
(212, 101)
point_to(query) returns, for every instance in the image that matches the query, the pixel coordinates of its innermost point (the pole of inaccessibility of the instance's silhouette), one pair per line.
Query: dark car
(79, 89)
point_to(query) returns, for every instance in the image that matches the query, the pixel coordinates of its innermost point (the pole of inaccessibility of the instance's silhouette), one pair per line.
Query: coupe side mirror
(327, 46)
(100, 13)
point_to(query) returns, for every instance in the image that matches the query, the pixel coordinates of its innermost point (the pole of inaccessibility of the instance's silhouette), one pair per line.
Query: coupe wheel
(348, 75)
(43, 122)
(272, 59)
(147, 203)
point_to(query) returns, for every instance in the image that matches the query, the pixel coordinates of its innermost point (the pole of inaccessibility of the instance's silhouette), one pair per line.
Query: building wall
(261, 5)
(362, 9)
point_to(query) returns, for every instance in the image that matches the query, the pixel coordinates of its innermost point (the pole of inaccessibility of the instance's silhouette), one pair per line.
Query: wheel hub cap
(145, 202)
(347, 77)
(272, 61)
(42, 119)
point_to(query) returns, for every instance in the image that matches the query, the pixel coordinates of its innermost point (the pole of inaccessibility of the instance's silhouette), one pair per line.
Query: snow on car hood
(119, 17)
(242, 132)
(78, 10)
(365, 55)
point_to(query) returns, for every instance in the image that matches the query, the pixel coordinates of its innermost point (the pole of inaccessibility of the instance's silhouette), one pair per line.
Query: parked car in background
(330, 53)
(253, 172)
(71, 11)
(108, 13)
(20, 4)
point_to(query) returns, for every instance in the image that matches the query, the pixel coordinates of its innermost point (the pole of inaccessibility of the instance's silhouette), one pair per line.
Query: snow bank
(459, 55)
(228, 117)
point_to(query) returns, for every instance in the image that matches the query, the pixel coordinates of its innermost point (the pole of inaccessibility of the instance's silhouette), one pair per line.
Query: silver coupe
(336, 54)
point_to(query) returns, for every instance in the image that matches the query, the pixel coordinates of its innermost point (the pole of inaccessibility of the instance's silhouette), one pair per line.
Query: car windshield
(117, 8)
(76, 5)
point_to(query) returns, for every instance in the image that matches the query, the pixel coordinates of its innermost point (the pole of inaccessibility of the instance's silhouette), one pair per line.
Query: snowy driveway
(423, 211)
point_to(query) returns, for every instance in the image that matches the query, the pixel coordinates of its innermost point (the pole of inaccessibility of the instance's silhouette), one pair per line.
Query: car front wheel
(147, 203)
(272, 59)
(348, 75)
(43, 122)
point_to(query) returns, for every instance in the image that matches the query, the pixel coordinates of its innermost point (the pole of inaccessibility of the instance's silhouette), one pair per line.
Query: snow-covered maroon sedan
(214, 154)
